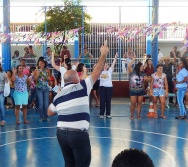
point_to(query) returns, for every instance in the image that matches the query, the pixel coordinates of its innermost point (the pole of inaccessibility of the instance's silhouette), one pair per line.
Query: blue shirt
(180, 77)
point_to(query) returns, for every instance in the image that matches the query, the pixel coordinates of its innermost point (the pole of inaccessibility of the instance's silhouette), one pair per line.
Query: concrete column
(149, 22)
(155, 40)
(6, 51)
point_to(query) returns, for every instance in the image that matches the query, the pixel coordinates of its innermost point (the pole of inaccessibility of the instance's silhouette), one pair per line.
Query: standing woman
(9, 77)
(15, 59)
(87, 57)
(21, 82)
(137, 77)
(149, 70)
(3, 79)
(41, 79)
(66, 65)
(159, 89)
(181, 85)
(105, 89)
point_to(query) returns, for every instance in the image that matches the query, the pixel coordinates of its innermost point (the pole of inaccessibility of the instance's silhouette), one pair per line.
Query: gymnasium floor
(35, 145)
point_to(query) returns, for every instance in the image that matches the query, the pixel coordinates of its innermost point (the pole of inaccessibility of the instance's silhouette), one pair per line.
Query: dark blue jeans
(32, 96)
(43, 102)
(75, 147)
(2, 107)
(11, 95)
(105, 99)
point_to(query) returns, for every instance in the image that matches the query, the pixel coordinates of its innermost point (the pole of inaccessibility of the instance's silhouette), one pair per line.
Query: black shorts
(96, 85)
(141, 93)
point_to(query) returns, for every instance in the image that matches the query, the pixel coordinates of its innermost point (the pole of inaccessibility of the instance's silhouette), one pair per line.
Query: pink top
(26, 70)
(158, 82)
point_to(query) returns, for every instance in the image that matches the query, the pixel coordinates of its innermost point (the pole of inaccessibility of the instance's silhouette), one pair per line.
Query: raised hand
(14, 71)
(104, 49)
(134, 58)
(116, 55)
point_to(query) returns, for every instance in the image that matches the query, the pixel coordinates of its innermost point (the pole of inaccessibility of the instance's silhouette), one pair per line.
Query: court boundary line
(173, 162)
(97, 127)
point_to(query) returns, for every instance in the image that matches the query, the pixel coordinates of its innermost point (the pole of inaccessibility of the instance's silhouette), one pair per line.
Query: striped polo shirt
(72, 105)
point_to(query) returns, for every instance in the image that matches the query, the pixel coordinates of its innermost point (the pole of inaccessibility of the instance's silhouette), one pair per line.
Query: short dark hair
(148, 56)
(45, 63)
(10, 71)
(32, 69)
(65, 47)
(184, 61)
(18, 67)
(159, 65)
(132, 158)
(16, 52)
(22, 60)
(48, 48)
(30, 46)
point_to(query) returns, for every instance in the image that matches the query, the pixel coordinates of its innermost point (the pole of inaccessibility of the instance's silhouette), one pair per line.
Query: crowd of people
(39, 84)
(68, 94)
(171, 76)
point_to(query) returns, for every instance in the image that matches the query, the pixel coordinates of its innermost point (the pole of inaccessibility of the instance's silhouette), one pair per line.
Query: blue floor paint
(35, 145)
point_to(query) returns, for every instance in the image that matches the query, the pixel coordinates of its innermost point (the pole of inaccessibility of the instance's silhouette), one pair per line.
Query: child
(51, 82)
(32, 88)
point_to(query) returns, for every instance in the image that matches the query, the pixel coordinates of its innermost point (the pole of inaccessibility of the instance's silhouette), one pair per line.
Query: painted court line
(97, 127)
(170, 156)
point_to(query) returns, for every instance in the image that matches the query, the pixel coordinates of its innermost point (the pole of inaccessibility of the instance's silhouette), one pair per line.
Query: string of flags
(40, 37)
(126, 33)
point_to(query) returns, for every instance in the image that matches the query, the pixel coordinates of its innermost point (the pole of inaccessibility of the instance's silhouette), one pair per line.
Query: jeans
(170, 88)
(43, 102)
(75, 147)
(11, 95)
(2, 107)
(32, 96)
(180, 96)
(105, 99)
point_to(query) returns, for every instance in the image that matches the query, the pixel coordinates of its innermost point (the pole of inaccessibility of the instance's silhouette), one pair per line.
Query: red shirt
(149, 71)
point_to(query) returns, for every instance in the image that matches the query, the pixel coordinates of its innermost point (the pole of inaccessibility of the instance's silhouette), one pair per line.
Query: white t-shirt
(62, 71)
(160, 55)
(106, 78)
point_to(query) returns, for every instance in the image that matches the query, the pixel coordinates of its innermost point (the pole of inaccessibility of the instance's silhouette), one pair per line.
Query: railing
(169, 34)
(120, 69)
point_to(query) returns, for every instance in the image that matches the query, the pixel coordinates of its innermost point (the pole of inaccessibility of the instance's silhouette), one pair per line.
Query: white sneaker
(109, 116)
(101, 116)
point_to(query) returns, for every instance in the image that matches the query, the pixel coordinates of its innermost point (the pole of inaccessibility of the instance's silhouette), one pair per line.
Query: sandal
(163, 117)
(18, 123)
(156, 117)
(138, 117)
(131, 117)
(26, 122)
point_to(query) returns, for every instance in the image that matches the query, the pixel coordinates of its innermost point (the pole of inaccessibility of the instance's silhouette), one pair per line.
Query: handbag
(7, 89)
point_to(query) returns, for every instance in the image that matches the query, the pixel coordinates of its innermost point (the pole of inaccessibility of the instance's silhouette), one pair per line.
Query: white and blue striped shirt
(72, 105)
